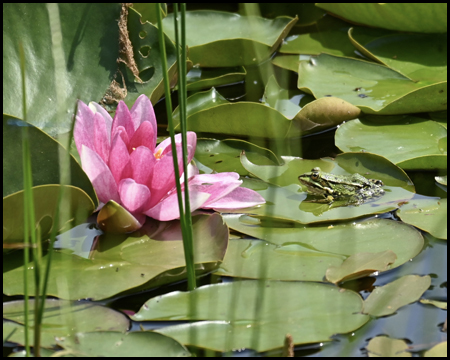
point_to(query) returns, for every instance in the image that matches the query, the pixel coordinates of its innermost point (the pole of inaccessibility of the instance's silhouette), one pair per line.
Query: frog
(353, 189)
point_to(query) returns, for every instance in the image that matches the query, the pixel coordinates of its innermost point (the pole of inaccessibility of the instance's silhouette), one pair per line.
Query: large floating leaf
(290, 62)
(77, 203)
(429, 215)
(409, 142)
(374, 88)
(60, 319)
(130, 344)
(384, 346)
(224, 156)
(268, 312)
(426, 60)
(117, 263)
(417, 17)
(439, 350)
(287, 202)
(90, 44)
(309, 115)
(305, 253)
(204, 78)
(222, 39)
(387, 299)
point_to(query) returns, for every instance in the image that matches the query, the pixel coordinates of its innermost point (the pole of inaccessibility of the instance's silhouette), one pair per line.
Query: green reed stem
(182, 96)
(187, 239)
(26, 203)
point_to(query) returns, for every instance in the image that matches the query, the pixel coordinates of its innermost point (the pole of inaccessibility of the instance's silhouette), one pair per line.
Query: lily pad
(360, 265)
(90, 47)
(214, 42)
(305, 253)
(290, 62)
(309, 115)
(387, 299)
(257, 314)
(205, 78)
(384, 346)
(287, 202)
(426, 60)
(427, 214)
(441, 180)
(119, 263)
(59, 319)
(418, 17)
(130, 344)
(225, 155)
(439, 304)
(78, 206)
(409, 142)
(439, 350)
(374, 88)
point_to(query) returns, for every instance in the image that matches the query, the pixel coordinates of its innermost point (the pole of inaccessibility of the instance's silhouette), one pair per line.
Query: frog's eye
(314, 176)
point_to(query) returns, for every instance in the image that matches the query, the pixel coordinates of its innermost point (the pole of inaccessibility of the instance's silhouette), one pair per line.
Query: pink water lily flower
(124, 164)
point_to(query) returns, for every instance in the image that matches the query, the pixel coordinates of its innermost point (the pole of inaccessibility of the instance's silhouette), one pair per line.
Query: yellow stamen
(158, 154)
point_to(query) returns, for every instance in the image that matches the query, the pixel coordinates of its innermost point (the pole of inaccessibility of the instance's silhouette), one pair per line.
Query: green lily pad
(426, 60)
(78, 206)
(384, 346)
(130, 344)
(59, 319)
(439, 350)
(145, 41)
(305, 253)
(439, 304)
(225, 155)
(309, 115)
(213, 42)
(374, 88)
(257, 314)
(307, 13)
(205, 78)
(113, 264)
(90, 47)
(441, 179)
(387, 299)
(114, 218)
(427, 214)
(285, 200)
(360, 265)
(148, 11)
(423, 17)
(289, 62)
(409, 142)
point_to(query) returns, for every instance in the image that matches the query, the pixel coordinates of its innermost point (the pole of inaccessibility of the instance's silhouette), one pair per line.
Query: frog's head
(315, 182)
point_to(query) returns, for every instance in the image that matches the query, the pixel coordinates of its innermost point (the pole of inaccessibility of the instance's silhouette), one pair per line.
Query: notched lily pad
(387, 299)
(374, 88)
(360, 265)
(78, 206)
(223, 39)
(302, 303)
(304, 253)
(58, 319)
(144, 259)
(409, 142)
(429, 215)
(204, 78)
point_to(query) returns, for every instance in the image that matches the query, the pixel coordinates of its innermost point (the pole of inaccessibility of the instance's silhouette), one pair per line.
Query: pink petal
(118, 158)
(163, 178)
(101, 141)
(168, 209)
(122, 118)
(100, 175)
(218, 185)
(84, 127)
(144, 136)
(164, 147)
(134, 196)
(141, 111)
(123, 134)
(142, 163)
(237, 199)
(98, 109)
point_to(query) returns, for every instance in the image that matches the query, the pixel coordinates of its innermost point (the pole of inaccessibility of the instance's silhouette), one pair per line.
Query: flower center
(158, 154)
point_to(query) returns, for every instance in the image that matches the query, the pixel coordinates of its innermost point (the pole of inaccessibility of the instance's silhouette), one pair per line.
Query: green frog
(355, 189)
